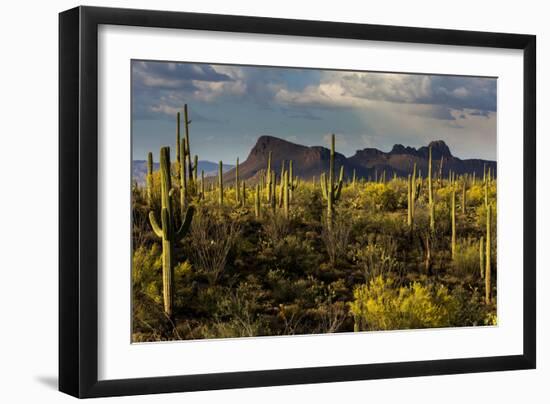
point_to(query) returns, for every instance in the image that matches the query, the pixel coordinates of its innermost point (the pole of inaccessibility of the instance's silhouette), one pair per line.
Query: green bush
(379, 305)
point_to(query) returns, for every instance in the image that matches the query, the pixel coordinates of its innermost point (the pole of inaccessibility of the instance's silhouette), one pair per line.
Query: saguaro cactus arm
(186, 224)
(156, 228)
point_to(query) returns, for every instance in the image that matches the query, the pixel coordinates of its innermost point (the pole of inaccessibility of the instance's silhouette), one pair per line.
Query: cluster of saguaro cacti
(330, 188)
(167, 230)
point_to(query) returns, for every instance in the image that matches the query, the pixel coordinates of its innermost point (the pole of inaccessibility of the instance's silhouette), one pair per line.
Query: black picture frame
(78, 200)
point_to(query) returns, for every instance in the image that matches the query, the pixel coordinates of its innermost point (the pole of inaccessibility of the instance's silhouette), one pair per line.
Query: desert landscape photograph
(271, 201)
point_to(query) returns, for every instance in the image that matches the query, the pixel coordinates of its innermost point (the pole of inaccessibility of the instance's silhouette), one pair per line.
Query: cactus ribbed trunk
(187, 147)
(178, 141)
(453, 223)
(481, 258)
(243, 201)
(257, 203)
(202, 185)
(286, 202)
(486, 188)
(331, 191)
(413, 191)
(220, 184)
(464, 196)
(440, 171)
(488, 258)
(353, 179)
(183, 180)
(167, 231)
(150, 179)
(269, 179)
(273, 193)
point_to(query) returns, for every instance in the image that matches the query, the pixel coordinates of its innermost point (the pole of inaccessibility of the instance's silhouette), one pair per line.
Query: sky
(231, 106)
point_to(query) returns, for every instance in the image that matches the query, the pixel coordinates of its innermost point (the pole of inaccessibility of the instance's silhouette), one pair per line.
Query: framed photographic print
(251, 201)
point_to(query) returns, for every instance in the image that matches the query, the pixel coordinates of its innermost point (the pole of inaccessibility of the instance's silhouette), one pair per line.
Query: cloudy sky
(231, 106)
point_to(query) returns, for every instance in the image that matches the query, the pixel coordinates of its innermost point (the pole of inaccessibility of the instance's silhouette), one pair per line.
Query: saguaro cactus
(481, 258)
(187, 121)
(201, 196)
(488, 258)
(464, 196)
(353, 179)
(178, 140)
(453, 223)
(414, 193)
(269, 179)
(286, 202)
(150, 179)
(292, 182)
(331, 191)
(430, 191)
(409, 202)
(237, 187)
(440, 172)
(183, 179)
(243, 201)
(167, 231)
(220, 184)
(257, 202)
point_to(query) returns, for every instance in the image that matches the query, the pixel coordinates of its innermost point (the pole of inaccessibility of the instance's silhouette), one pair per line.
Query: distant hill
(312, 161)
(139, 169)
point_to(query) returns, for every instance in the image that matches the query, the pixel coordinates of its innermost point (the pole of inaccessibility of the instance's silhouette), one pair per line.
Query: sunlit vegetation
(279, 255)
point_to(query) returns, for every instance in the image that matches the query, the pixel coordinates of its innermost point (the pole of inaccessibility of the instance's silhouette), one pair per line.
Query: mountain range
(311, 161)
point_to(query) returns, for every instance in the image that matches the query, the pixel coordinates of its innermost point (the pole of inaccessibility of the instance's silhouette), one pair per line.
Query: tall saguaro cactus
(453, 223)
(292, 182)
(202, 195)
(286, 202)
(488, 258)
(481, 258)
(183, 179)
(257, 202)
(430, 191)
(269, 179)
(464, 196)
(150, 179)
(331, 190)
(186, 123)
(167, 231)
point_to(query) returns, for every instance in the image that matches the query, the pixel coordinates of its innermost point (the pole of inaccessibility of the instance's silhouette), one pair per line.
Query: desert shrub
(466, 260)
(275, 226)
(376, 256)
(472, 309)
(238, 313)
(292, 253)
(376, 196)
(146, 269)
(211, 241)
(336, 237)
(379, 305)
